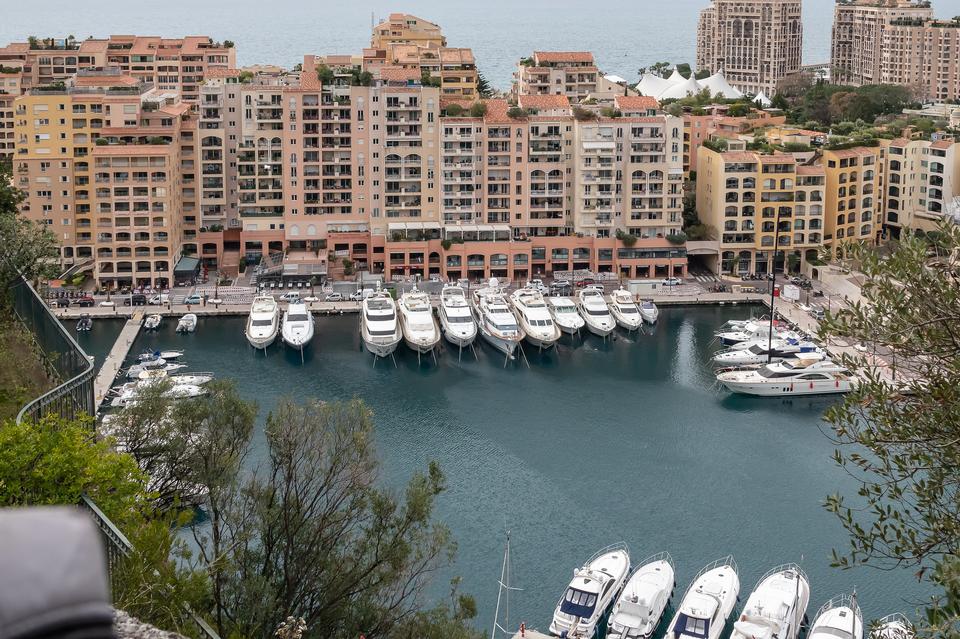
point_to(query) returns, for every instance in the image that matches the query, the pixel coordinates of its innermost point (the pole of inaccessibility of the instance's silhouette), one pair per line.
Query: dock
(118, 354)
(531, 634)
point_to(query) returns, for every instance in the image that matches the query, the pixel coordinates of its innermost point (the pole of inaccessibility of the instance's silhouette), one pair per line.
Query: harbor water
(598, 442)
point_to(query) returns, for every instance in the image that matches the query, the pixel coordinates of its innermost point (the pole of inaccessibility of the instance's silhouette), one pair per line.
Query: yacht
(565, 314)
(895, 626)
(419, 328)
(839, 618)
(640, 607)
(535, 319)
(379, 327)
(153, 356)
(497, 323)
(134, 371)
(595, 313)
(649, 311)
(297, 327)
(129, 396)
(708, 602)
(762, 351)
(790, 377)
(158, 374)
(85, 323)
(752, 331)
(456, 320)
(187, 323)
(152, 322)
(592, 590)
(776, 607)
(263, 324)
(624, 310)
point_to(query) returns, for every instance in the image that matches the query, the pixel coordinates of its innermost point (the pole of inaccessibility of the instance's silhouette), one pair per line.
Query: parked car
(61, 302)
(107, 303)
(290, 297)
(560, 288)
(334, 297)
(194, 298)
(818, 314)
(587, 281)
(86, 301)
(158, 299)
(594, 287)
(672, 281)
(361, 295)
(137, 299)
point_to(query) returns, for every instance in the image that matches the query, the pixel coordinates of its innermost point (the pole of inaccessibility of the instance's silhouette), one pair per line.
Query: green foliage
(360, 78)
(516, 113)
(796, 147)
(716, 144)
(484, 90)
(610, 112)
(325, 74)
(55, 461)
(478, 110)
(347, 266)
(526, 62)
(446, 244)
(245, 77)
(228, 44)
(739, 110)
(453, 109)
(581, 114)
(677, 238)
(898, 436)
(428, 80)
(628, 239)
(699, 232)
(831, 103)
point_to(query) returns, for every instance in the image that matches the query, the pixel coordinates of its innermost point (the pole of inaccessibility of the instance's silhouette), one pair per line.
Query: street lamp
(773, 283)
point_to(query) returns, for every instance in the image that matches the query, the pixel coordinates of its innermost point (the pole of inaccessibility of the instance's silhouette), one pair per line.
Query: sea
(600, 441)
(625, 35)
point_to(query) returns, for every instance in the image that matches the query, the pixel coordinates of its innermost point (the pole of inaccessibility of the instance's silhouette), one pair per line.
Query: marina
(527, 449)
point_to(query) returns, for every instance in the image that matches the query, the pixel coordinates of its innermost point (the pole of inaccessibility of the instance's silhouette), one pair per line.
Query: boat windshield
(773, 374)
(647, 305)
(300, 317)
(504, 327)
(385, 317)
(391, 331)
(262, 322)
(599, 313)
(624, 308)
(691, 627)
(756, 349)
(461, 319)
(577, 603)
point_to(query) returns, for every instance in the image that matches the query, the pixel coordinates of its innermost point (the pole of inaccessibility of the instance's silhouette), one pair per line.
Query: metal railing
(64, 359)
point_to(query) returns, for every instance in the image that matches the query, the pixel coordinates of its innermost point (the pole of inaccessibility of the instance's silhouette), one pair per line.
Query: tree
(325, 74)
(898, 433)
(484, 90)
(660, 68)
(27, 247)
(453, 109)
(478, 110)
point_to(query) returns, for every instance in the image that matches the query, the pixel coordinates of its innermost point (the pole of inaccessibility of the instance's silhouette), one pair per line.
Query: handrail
(789, 567)
(839, 601)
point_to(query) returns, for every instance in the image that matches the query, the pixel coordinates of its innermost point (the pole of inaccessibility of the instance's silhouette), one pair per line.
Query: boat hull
(600, 331)
(463, 341)
(541, 342)
(789, 389)
(629, 325)
(505, 346)
(262, 343)
(420, 346)
(298, 340)
(569, 329)
(380, 349)
(649, 317)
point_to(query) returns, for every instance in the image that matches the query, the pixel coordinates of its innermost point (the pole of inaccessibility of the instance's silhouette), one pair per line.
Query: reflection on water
(595, 442)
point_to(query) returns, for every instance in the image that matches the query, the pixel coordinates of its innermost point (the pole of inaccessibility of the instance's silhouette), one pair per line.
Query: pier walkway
(118, 354)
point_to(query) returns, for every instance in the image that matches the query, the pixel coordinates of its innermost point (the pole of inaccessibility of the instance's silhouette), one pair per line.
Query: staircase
(77, 267)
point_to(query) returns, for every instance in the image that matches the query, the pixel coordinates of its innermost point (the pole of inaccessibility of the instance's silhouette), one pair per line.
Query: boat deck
(116, 357)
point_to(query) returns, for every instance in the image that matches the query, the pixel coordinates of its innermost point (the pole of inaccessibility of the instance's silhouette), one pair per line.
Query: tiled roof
(399, 74)
(810, 169)
(220, 72)
(106, 81)
(739, 156)
(543, 102)
(457, 56)
(856, 151)
(497, 112)
(635, 102)
(943, 144)
(563, 56)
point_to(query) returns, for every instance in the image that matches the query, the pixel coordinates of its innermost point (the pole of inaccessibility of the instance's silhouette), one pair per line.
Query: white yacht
(761, 351)
(456, 319)
(565, 314)
(649, 311)
(752, 331)
(155, 356)
(158, 374)
(595, 313)
(839, 618)
(624, 310)
(708, 602)
(152, 322)
(790, 377)
(640, 607)
(419, 328)
(297, 327)
(497, 323)
(263, 324)
(379, 326)
(129, 396)
(776, 607)
(535, 319)
(134, 371)
(187, 323)
(592, 590)
(895, 626)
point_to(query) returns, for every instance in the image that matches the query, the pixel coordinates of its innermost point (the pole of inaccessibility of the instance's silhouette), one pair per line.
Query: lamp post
(773, 282)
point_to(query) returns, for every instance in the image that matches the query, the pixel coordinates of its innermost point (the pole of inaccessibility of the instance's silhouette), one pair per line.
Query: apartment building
(854, 196)
(108, 164)
(760, 203)
(698, 129)
(922, 184)
(177, 64)
(754, 43)
(11, 79)
(403, 28)
(573, 74)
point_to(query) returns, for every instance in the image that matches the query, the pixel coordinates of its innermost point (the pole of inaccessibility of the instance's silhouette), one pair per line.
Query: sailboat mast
(504, 575)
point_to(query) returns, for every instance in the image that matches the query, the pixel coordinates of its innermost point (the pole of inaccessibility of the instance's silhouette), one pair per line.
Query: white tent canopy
(718, 84)
(615, 78)
(677, 86)
(676, 78)
(762, 100)
(652, 85)
(688, 87)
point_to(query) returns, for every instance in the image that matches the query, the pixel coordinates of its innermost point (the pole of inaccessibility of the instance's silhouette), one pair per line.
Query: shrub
(478, 110)
(677, 238)
(453, 109)
(516, 113)
(446, 244)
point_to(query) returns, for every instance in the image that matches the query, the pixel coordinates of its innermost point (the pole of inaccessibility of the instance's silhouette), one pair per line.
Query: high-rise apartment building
(854, 195)
(922, 184)
(573, 74)
(754, 43)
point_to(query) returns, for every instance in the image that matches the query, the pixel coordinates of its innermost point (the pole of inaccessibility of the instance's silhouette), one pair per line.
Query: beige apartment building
(573, 74)
(922, 184)
(854, 196)
(754, 43)
(759, 203)
(108, 165)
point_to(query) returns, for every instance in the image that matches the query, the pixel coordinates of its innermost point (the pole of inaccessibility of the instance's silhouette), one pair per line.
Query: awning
(187, 266)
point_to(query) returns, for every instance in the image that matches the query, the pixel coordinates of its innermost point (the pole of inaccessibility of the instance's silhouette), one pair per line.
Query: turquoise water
(627, 440)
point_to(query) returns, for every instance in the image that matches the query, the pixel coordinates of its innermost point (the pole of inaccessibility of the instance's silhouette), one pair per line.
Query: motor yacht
(297, 327)
(152, 322)
(564, 313)
(153, 356)
(379, 326)
(776, 607)
(456, 319)
(593, 589)
(640, 606)
(708, 602)
(595, 313)
(624, 310)
(649, 311)
(134, 371)
(263, 323)
(790, 377)
(753, 331)
(762, 351)
(534, 316)
(895, 626)
(839, 618)
(158, 374)
(85, 323)
(420, 331)
(496, 322)
(130, 396)
(187, 323)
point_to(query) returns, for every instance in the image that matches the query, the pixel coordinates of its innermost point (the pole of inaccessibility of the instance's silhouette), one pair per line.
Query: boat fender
(811, 385)
(836, 383)
(791, 387)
